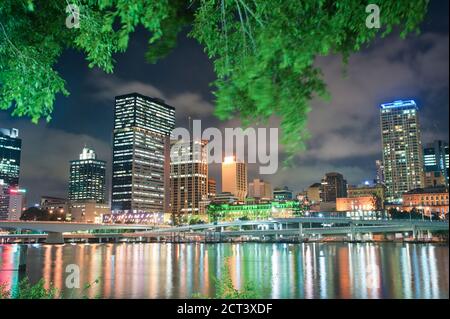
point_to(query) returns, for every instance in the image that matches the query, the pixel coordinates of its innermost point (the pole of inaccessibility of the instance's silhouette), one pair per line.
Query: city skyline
(419, 69)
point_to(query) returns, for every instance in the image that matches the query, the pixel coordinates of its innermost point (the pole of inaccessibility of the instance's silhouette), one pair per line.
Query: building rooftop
(429, 190)
(399, 104)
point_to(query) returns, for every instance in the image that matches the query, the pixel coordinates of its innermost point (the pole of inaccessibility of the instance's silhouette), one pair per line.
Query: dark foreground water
(328, 270)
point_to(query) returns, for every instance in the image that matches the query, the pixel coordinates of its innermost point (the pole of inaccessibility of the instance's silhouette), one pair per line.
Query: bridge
(299, 227)
(55, 230)
(296, 227)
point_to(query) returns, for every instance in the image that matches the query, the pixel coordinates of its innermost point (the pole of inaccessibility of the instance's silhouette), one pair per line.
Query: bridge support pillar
(300, 231)
(23, 257)
(352, 232)
(430, 235)
(54, 238)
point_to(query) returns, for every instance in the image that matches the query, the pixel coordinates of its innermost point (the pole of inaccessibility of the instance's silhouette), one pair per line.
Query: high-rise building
(260, 189)
(10, 149)
(141, 154)
(87, 180)
(402, 148)
(380, 172)
(333, 186)
(435, 158)
(189, 178)
(234, 177)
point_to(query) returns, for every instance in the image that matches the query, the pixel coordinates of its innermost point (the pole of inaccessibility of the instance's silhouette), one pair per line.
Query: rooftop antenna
(190, 126)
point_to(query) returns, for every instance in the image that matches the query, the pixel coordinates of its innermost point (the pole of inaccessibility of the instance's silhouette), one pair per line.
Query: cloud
(186, 103)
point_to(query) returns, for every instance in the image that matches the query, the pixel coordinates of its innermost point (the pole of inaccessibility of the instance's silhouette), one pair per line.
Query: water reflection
(277, 270)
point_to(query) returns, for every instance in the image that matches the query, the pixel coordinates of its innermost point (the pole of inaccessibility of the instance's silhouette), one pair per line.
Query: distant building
(313, 192)
(380, 172)
(87, 180)
(189, 178)
(283, 194)
(234, 178)
(428, 200)
(360, 203)
(402, 148)
(17, 203)
(333, 186)
(378, 190)
(10, 149)
(212, 188)
(4, 200)
(259, 189)
(435, 158)
(51, 204)
(88, 211)
(274, 209)
(133, 218)
(141, 154)
(433, 179)
(225, 198)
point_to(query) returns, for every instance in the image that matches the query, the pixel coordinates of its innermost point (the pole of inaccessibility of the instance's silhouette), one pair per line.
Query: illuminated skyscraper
(402, 148)
(141, 154)
(189, 178)
(10, 149)
(87, 180)
(234, 178)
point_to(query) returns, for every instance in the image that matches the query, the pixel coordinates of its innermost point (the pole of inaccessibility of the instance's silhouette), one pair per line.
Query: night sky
(345, 131)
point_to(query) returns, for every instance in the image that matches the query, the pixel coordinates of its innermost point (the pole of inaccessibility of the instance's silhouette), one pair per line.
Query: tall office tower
(260, 189)
(380, 172)
(234, 177)
(333, 186)
(87, 181)
(10, 148)
(141, 154)
(435, 157)
(189, 178)
(402, 148)
(212, 188)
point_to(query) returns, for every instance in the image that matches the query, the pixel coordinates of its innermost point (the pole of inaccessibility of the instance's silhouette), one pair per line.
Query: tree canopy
(263, 51)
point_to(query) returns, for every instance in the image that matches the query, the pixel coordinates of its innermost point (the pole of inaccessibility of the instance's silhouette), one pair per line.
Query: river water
(313, 270)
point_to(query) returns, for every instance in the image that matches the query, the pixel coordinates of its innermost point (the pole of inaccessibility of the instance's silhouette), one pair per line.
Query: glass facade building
(87, 180)
(435, 158)
(10, 149)
(141, 154)
(402, 148)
